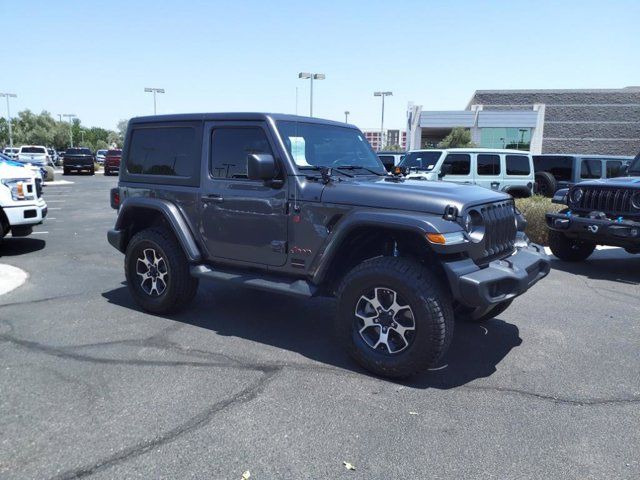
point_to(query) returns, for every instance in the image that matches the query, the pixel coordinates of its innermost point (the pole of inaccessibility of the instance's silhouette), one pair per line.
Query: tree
(392, 148)
(458, 138)
(121, 129)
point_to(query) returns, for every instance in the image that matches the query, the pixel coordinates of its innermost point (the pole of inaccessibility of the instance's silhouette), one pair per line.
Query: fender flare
(518, 188)
(171, 214)
(418, 223)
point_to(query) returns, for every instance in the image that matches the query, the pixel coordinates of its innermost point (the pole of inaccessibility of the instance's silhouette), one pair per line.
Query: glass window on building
(516, 138)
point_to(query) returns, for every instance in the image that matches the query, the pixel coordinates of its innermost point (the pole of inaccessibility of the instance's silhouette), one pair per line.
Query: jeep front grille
(500, 229)
(615, 201)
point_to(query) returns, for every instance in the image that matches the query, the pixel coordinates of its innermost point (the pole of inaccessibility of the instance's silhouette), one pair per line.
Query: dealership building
(593, 121)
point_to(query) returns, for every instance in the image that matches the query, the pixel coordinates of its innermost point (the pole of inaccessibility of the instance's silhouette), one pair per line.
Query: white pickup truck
(21, 202)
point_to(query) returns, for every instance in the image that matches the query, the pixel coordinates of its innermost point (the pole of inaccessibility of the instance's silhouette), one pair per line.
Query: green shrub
(534, 209)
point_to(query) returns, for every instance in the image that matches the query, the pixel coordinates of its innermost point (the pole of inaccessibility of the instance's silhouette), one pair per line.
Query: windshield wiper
(317, 168)
(357, 167)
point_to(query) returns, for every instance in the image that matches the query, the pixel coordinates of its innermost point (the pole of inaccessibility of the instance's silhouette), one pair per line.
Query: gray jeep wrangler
(304, 207)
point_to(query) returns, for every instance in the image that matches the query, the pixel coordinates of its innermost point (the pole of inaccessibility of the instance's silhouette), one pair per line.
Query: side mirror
(445, 169)
(261, 166)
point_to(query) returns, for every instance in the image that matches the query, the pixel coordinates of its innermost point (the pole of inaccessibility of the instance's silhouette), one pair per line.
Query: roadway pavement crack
(554, 399)
(203, 418)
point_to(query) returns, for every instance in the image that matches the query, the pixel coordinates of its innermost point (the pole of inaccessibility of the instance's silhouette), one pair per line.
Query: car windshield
(114, 153)
(78, 151)
(421, 160)
(38, 150)
(635, 165)
(101, 152)
(315, 145)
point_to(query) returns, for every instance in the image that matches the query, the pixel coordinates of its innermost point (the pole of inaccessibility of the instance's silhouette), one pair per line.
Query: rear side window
(613, 168)
(591, 169)
(518, 165)
(169, 151)
(460, 163)
(488, 164)
(230, 148)
(388, 161)
(558, 166)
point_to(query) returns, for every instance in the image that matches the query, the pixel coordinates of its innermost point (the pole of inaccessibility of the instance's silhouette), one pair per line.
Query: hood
(618, 182)
(412, 195)
(12, 171)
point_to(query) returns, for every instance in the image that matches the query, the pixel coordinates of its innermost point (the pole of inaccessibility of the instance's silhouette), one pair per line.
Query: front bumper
(31, 214)
(602, 231)
(500, 280)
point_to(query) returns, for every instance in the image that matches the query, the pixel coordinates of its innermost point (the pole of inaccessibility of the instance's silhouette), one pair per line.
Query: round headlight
(474, 225)
(576, 195)
(635, 200)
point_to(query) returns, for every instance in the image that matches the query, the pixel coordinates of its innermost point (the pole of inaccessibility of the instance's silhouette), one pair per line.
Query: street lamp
(154, 90)
(7, 96)
(70, 116)
(311, 77)
(382, 94)
(82, 136)
(346, 116)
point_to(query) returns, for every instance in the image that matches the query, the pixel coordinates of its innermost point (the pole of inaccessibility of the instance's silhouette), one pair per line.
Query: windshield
(421, 160)
(114, 153)
(39, 150)
(635, 165)
(101, 152)
(78, 151)
(322, 145)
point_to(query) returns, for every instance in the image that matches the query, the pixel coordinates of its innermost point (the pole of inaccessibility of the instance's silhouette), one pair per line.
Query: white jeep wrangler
(509, 171)
(21, 202)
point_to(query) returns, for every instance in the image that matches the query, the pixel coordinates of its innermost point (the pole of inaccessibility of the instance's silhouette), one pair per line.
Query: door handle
(213, 199)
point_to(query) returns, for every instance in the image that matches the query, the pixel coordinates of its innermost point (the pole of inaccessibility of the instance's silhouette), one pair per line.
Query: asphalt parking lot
(245, 380)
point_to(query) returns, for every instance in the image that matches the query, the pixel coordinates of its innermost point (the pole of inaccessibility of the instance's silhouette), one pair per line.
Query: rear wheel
(394, 318)
(65, 171)
(157, 272)
(569, 249)
(106, 172)
(546, 184)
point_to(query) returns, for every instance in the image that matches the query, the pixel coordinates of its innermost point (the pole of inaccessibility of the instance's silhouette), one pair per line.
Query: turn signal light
(446, 238)
(20, 190)
(436, 238)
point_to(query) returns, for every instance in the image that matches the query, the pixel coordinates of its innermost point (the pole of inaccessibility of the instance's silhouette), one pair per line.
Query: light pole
(346, 116)
(154, 90)
(82, 136)
(311, 77)
(7, 96)
(70, 116)
(60, 117)
(382, 94)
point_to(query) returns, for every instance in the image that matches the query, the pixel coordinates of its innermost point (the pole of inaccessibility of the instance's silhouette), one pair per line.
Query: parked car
(21, 202)
(554, 172)
(390, 159)
(78, 159)
(100, 154)
(60, 158)
(112, 161)
(38, 157)
(509, 171)
(303, 206)
(11, 152)
(599, 212)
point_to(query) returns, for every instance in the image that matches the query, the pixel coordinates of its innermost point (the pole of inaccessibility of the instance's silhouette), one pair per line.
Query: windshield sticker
(298, 151)
(430, 167)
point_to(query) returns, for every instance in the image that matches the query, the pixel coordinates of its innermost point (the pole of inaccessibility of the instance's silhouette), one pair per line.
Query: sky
(94, 58)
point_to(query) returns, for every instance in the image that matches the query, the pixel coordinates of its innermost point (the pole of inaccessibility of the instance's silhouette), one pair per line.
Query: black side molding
(271, 283)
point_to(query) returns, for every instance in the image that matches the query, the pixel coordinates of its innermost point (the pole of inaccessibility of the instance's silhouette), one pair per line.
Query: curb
(11, 278)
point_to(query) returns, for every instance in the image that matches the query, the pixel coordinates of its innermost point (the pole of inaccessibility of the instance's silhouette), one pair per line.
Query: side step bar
(271, 283)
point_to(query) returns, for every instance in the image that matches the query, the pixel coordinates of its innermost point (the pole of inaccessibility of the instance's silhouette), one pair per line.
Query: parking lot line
(55, 208)
(39, 233)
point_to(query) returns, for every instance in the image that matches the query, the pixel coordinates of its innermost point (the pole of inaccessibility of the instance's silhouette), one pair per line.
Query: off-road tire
(466, 315)
(106, 172)
(569, 249)
(546, 184)
(430, 303)
(92, 171)
(181, 287)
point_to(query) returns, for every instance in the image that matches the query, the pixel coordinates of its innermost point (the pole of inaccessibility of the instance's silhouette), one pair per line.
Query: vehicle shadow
(305, 326)
(612, 264)
(10, 247)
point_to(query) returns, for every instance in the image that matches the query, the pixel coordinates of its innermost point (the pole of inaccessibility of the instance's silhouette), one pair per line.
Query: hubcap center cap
(385, 319)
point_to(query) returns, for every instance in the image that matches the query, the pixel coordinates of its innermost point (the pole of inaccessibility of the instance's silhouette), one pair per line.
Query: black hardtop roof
(233, 116)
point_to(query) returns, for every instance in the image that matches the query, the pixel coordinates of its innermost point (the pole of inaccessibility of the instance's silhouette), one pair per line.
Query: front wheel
(157, 271)
(569, 249)
(394, 317)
